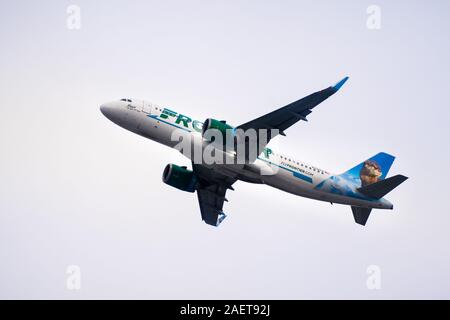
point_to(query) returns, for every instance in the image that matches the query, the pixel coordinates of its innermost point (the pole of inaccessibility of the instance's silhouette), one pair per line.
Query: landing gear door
(147, 107)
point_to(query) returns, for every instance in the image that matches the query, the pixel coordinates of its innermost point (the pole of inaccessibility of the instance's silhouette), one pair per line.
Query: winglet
(338, 85)
(220, 218)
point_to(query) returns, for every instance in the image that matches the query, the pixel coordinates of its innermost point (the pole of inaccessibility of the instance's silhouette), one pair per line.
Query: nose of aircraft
(114, 111)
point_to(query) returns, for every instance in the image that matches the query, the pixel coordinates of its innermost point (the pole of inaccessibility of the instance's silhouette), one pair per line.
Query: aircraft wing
(211, 193)
(286, 116)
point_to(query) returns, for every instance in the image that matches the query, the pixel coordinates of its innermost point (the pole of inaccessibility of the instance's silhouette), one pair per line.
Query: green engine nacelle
(221, 126)
(180, 178)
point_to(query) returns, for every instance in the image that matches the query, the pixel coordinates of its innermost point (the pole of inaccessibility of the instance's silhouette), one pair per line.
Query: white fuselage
(273, 169)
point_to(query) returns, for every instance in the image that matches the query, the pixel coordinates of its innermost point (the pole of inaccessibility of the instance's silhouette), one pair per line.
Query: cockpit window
(126, 100)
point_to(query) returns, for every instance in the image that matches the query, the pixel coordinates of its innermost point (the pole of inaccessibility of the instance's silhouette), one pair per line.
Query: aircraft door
(147, 107)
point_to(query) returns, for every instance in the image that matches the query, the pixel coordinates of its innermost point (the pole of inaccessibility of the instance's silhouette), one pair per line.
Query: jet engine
(219, 125)
(180, 178)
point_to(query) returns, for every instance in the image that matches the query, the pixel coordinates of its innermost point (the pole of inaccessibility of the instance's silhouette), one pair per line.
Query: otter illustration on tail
(370, 173)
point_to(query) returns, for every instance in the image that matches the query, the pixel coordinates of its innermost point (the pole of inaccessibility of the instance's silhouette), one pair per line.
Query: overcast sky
(76, 189)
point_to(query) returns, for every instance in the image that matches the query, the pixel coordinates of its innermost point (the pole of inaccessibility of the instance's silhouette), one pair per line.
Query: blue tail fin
(372, 170)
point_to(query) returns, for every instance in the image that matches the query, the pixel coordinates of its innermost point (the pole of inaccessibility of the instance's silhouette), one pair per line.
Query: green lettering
(184, 119)
(166, 113)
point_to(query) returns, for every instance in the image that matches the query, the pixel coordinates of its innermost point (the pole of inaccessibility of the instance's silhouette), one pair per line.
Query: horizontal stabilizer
(361, 215)
(379, 189)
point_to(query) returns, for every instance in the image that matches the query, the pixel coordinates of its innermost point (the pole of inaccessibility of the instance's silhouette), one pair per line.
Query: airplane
(363, 187)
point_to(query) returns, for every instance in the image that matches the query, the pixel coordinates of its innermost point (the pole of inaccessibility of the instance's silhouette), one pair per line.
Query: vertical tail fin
(372, 170)
(370, 176)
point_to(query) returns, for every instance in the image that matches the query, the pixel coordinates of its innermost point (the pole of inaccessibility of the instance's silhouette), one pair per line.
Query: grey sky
(78, 190)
